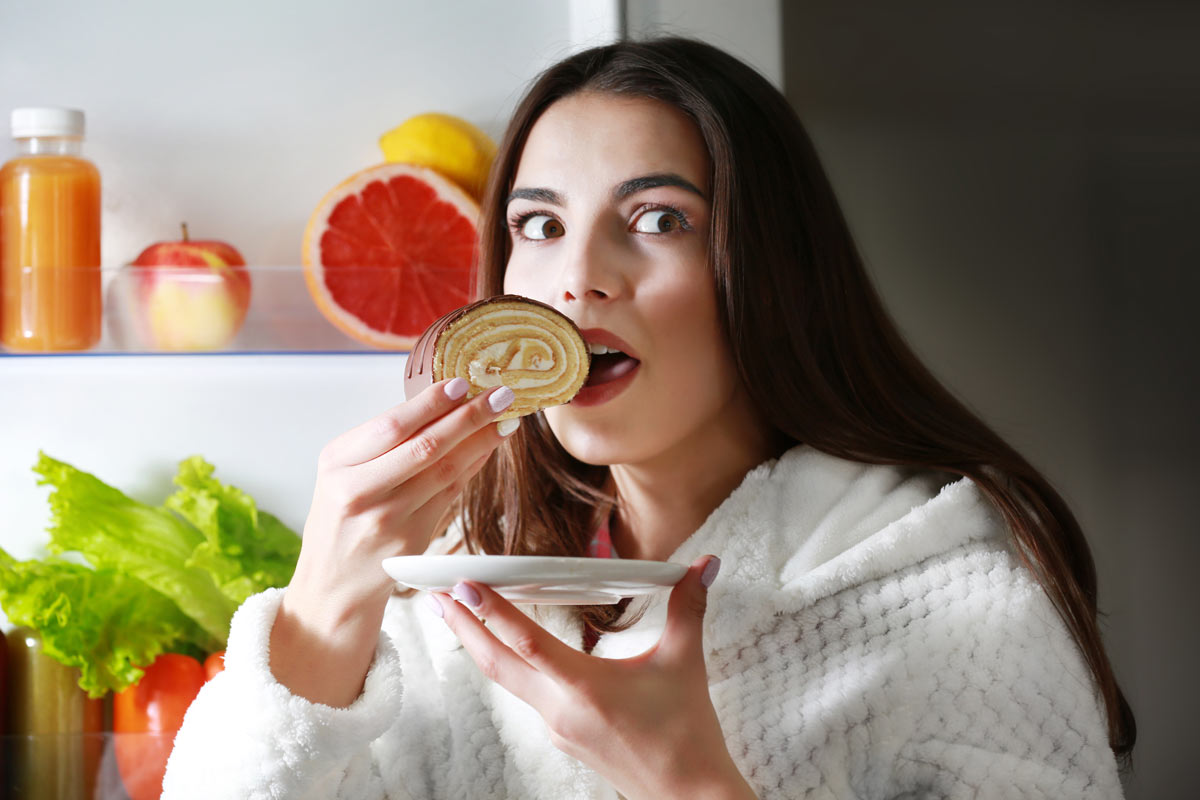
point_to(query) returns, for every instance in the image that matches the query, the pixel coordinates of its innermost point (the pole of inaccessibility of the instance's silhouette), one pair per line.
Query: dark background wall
(1024, 182)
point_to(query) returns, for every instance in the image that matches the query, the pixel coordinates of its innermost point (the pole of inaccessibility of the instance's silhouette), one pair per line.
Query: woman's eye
(541, 226)
(657, 221)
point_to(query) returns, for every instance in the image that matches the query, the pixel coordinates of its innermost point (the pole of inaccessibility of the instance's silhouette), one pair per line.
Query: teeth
(600, 350)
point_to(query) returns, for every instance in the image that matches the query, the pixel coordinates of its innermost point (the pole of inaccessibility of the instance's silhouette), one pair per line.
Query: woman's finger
(451, 471)
(682, 638)
(380, 434)
(426, 449)
(495, 659)
(430, 514)
(534, 644)
(451, 492)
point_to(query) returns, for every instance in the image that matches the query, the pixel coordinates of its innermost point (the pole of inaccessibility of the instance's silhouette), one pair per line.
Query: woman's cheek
(512, 279)
(518, 275)
(532, 271)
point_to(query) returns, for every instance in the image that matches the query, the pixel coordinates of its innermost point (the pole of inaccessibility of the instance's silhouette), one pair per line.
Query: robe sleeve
(247, 736)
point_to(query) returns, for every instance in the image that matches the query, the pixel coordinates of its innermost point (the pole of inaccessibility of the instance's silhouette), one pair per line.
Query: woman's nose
(591, 271)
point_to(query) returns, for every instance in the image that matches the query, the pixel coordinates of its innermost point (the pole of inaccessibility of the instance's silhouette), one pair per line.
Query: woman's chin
(592, 442)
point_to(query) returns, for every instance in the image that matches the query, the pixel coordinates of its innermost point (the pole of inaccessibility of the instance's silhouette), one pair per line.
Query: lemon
(444, 143)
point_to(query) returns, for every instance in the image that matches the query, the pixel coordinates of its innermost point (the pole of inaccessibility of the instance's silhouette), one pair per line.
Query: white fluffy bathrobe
(870, 635)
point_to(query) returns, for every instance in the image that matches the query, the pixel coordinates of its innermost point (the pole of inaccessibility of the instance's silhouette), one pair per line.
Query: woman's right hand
(381, 490)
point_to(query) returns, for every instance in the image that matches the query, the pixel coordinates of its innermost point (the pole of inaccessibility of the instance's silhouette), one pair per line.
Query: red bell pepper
(146, 717)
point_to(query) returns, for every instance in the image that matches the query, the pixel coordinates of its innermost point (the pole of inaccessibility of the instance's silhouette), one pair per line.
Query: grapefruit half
(388, 251)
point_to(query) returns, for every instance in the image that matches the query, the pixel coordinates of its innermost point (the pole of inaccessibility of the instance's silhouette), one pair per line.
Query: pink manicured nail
(710, 572)
(501, 399)
(466, 593)
(434, 604)
(456, 389)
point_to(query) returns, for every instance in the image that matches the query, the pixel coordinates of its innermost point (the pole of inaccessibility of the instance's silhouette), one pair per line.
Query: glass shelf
(193, 315)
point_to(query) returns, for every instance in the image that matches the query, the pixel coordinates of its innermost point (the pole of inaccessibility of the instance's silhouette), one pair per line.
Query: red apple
(192, 294)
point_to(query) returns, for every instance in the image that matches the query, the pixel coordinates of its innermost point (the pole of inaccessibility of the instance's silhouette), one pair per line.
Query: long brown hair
(792, 291)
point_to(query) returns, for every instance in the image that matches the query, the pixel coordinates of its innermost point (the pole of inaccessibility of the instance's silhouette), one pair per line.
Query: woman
(905, 607)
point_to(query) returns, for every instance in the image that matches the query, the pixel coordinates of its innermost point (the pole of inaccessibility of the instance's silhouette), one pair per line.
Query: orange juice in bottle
(49, 236)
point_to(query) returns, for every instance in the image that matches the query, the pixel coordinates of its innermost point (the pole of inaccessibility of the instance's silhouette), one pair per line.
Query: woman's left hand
(645, 723)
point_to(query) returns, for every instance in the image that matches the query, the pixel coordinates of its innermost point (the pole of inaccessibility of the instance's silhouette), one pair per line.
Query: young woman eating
(883, 598)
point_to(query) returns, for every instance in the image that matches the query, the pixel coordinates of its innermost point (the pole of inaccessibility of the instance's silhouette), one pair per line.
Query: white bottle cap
(28, 122)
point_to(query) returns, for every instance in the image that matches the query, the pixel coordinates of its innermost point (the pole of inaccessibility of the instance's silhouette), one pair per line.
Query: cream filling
(489, 366)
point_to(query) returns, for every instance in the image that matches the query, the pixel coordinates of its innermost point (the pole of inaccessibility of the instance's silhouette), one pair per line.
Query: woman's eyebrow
(537, 195)
(623, 189)
(635, 185)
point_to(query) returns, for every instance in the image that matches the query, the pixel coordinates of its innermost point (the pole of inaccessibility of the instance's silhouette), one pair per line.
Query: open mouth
(608, 364)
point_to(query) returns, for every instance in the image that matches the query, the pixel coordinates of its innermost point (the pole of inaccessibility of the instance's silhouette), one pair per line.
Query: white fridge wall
(129, 420)
(237, 117)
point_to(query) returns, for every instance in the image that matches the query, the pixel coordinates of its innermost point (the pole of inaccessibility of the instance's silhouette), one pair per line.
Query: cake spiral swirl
(506, 340)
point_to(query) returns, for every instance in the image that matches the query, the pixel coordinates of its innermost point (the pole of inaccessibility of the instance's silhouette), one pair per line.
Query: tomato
(146, 717)
(213, 664)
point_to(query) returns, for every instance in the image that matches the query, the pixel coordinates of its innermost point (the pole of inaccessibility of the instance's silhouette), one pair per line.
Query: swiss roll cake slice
(505, 340)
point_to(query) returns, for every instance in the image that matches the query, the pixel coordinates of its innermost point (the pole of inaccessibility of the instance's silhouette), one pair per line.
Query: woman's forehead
(594, 140)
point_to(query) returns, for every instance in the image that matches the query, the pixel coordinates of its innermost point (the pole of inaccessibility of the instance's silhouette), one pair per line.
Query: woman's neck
(660, 503)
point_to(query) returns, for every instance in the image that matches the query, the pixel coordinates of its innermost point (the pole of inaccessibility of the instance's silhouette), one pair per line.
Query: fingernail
(434, 604)
(710, 572)
(467, 594)
(501, 399)
(506, 427)
(456, 389)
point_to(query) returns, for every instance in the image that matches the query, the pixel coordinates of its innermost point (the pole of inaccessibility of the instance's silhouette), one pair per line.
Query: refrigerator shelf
(190, 311)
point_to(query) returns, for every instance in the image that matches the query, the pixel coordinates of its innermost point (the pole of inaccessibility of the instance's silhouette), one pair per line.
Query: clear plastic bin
(282, 316)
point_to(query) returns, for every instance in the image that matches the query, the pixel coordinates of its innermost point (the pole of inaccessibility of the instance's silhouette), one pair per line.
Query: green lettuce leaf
(106, 623)
(161, 578)
(115, 532)
(244, 550)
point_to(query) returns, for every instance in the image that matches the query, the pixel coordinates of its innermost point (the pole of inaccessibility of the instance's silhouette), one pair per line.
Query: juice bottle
(49, 236)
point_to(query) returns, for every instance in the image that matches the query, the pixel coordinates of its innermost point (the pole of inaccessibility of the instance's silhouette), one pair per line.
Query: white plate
(548, 580)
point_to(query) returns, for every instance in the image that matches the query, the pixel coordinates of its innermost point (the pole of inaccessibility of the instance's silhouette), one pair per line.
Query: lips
(601, 337)
(613, 364)
(612, 357)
